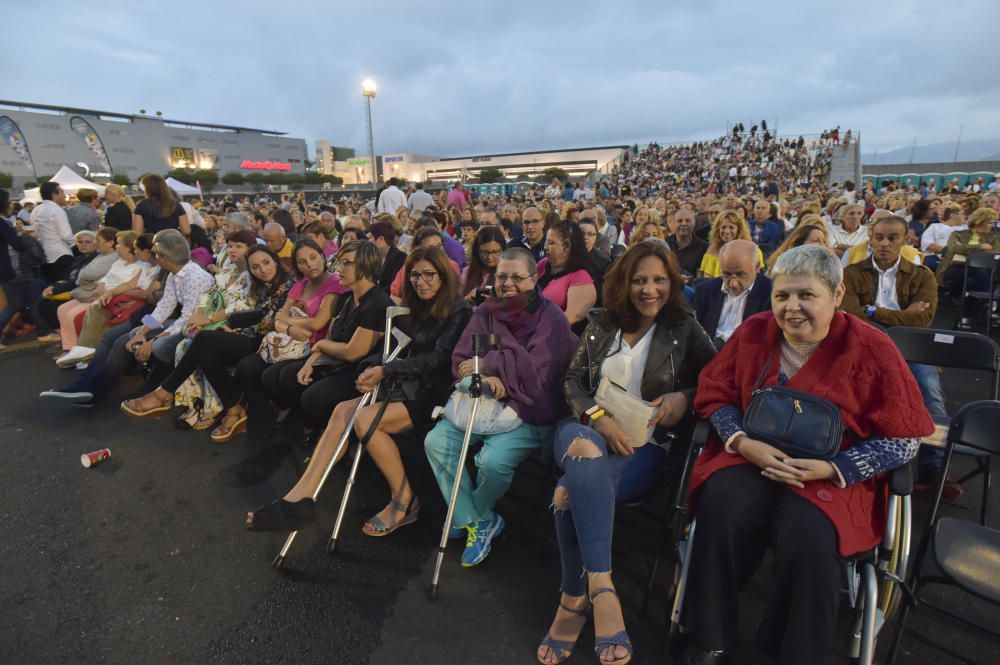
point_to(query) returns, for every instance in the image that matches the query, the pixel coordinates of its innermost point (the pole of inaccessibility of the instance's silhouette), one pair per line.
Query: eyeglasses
(526, 222)
(489, 253)
(518, 280)
(428, 276)
(343, 263)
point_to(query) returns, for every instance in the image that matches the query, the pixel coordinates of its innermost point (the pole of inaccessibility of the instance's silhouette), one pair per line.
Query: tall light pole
(368, 90)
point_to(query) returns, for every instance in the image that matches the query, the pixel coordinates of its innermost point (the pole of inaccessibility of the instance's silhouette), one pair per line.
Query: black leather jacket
(678, 352)
(426, 364)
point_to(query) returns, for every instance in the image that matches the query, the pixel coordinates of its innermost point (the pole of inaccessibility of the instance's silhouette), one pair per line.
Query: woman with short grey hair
(811, 512)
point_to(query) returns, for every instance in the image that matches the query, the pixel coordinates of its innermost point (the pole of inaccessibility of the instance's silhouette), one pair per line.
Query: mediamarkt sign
(266, 166)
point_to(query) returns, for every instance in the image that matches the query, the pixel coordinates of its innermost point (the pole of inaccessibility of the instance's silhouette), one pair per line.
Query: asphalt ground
(144, 558)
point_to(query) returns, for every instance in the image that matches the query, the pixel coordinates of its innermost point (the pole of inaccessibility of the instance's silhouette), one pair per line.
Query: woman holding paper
(643, 353)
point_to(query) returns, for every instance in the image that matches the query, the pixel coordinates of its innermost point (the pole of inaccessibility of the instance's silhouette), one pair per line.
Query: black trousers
(740, 514)
(214, 351)
(58, 269)
(279, 382)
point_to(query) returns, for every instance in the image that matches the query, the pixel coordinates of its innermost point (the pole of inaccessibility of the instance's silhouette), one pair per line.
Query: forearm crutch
(390, 314)
(479, 342)
(365, 401)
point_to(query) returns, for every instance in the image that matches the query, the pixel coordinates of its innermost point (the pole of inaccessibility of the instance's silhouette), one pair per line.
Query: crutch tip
(331, 546)
(278, 562)
(432, 592)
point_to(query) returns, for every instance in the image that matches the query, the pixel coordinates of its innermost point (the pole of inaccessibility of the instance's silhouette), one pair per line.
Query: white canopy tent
(183, 189)
(71, 183)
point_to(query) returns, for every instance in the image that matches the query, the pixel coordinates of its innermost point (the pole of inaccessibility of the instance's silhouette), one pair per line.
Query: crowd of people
(685, 280)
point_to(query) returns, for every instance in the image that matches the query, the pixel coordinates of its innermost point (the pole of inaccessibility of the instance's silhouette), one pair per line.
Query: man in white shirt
(849, 232)
(51, 226)
(392, 198)
(554, 190)
(935, 238)
(419, 200)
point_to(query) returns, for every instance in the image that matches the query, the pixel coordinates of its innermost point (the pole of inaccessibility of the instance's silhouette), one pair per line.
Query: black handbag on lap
(796, 422)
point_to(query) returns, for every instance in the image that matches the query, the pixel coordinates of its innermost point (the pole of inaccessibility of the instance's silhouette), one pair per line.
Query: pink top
(330, 249)
(457, 198)
(331, 286)
(558, 289)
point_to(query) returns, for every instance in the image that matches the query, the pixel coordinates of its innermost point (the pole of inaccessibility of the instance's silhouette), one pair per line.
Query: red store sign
(266, 166)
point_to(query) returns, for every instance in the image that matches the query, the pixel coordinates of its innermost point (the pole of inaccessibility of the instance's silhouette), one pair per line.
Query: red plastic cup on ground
(90, 459)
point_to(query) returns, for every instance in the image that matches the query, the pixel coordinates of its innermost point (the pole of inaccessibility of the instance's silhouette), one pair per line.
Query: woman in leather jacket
(415, 383)
(648, 343)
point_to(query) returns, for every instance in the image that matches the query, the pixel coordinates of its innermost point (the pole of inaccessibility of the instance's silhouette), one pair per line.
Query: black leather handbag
(796, 422)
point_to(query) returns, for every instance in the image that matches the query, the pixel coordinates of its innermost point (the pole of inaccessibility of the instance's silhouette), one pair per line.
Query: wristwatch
(870, 311)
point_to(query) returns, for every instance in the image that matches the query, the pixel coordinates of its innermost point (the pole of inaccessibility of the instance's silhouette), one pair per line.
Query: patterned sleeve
(873, 457)
(727, 421)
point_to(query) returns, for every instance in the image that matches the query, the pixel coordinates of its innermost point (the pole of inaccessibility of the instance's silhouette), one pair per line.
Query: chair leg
(869, 615)
(986, 491)
(897, 637)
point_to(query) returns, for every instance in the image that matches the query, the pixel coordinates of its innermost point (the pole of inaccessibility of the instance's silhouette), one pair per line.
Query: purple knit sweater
(534, 352)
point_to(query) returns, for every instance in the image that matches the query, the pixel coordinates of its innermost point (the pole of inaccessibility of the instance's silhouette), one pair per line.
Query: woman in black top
(415, 384)
(120, 208)
(159, 210)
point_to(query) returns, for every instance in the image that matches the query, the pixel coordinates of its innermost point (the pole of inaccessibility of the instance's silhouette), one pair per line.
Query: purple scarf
(536, 345)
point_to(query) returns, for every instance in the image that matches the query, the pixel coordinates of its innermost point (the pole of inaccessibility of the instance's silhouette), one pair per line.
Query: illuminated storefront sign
(266, 165)
(181, 158)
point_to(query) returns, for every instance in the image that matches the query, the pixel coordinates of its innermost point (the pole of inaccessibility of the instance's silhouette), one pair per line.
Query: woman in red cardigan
(748, 495)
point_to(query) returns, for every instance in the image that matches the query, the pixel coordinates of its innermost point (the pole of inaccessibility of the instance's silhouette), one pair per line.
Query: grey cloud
(459, 78)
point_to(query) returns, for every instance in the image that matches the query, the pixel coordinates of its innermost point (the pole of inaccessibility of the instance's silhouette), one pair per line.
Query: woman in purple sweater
(525, 371)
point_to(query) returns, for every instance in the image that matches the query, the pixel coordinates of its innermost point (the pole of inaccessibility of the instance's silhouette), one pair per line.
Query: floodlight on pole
(368, 90)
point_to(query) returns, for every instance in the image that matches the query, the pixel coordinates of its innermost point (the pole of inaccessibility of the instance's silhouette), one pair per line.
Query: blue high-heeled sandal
(619, 639)
(563, 649)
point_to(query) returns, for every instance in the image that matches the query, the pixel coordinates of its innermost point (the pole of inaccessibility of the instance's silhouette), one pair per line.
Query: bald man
(274, 235)
(723, 303)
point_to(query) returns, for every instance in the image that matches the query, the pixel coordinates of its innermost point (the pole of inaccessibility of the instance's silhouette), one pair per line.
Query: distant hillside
(969, 151)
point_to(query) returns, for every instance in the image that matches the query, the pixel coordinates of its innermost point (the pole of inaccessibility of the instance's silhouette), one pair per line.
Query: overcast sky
(458, 78)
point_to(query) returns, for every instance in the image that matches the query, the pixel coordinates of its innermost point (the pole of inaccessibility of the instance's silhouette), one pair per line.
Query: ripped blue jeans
(594, 485)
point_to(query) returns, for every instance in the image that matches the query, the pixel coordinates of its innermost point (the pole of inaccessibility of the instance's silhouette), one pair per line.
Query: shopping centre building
(515, 166)
(37, 139)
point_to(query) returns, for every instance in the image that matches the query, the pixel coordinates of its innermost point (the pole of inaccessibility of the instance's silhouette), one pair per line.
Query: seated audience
(849, 232)
(934, 240)
(157, 338)
(525, 370)
(413, 384)
(728, 225)
(304, 318)
(214, 351)
(484, 258)
(803, 234)
(648, 342)
(748, 495)
(123, 272)
(722, 304)
(688, 248)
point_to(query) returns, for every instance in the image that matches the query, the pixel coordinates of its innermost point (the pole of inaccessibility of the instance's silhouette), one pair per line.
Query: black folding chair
(955, 350)
(988, 262)
(967, 554)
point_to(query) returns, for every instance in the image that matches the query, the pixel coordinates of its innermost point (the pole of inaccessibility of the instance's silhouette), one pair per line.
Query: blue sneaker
(456, 532)
(479, 542)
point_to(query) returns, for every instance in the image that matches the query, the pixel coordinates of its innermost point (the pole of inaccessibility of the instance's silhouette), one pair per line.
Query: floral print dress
(232, 293)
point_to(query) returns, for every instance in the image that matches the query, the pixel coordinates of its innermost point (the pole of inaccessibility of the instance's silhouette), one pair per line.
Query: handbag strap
(763, 372)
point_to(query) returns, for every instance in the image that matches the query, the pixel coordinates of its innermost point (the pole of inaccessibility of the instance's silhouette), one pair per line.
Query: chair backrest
(977, 424)
(987, 260)
(948, 348)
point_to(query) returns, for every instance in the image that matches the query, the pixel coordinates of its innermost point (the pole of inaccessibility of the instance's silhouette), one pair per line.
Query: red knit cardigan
(858, 368)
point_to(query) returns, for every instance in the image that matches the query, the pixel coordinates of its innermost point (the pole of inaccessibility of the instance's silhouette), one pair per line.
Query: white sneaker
(76, 355)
